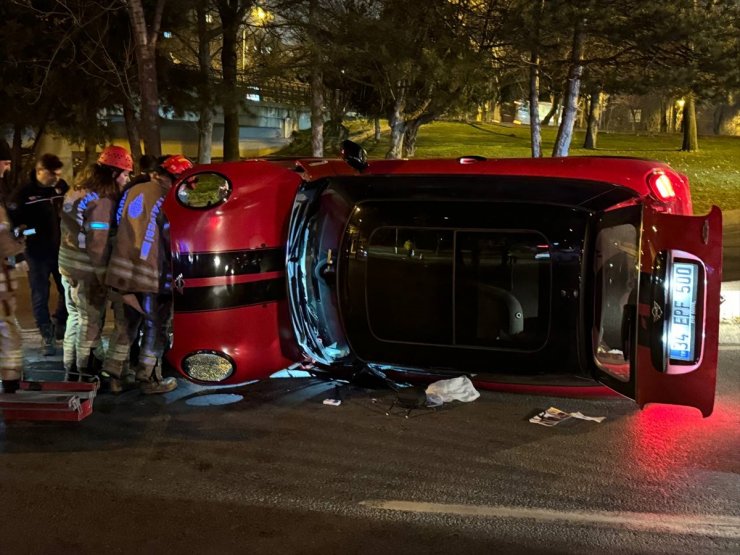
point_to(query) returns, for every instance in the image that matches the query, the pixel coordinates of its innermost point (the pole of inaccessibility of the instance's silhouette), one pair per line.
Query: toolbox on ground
(49, 401)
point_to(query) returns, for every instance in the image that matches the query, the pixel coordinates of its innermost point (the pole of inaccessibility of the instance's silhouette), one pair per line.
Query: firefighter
(140, 275)
(87, 217)
(11, 356)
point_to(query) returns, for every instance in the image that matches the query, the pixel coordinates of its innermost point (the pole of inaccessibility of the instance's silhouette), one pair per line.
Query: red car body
(234, 320)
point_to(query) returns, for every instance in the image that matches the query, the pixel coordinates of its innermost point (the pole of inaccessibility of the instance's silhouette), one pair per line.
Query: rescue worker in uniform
(87, 216)
(11, 356)
(140, 273)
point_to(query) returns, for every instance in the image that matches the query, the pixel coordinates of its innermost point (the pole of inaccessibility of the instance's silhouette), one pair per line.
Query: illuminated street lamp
(259, 17)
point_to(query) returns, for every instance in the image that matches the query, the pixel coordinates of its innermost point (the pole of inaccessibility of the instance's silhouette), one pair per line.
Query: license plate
(682, 324)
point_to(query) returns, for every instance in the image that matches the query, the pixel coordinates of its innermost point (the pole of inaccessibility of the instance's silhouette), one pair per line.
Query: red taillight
(471, 159)
(661, 185)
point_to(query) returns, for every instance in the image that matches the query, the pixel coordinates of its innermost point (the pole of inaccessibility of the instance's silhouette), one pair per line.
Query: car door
(656, 284)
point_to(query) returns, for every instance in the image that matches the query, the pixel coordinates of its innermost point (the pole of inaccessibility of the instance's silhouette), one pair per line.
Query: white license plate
(682, 324)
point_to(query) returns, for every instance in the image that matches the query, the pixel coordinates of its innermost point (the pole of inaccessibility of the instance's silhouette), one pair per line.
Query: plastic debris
(554, 416)
(333, 402)
(455, 389)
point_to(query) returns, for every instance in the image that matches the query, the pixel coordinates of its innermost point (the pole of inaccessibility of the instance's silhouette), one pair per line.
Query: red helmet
(116, 157)
(176, 165)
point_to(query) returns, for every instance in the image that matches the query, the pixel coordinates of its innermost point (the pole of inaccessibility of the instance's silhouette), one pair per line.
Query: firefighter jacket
(140, 261)
(9, 247)
(85, 230)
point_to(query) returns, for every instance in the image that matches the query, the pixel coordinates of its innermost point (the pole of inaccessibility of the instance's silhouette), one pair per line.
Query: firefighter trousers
(154, 325)
(86, 304)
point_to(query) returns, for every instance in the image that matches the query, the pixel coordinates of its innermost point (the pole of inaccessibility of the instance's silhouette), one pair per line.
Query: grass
(713, 171)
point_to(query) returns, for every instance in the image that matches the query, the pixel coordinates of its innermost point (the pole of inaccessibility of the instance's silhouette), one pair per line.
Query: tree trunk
(663, 115)
(690, 134)
(205, 122)
(17, 147)
(411, 132)
(409, 138)
(535, 130)
(205, 136)
(377, 129)
(553, 110)
(570, 106)
(317, 87)
(317, 113)
(230, 100)
(145, 40)
(534, 104)
(594, 113)
(132, 131)
(398, 129)
(724, 117)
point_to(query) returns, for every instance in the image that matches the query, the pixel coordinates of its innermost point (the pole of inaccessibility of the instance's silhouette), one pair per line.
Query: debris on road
(554, 416)
(455, 389)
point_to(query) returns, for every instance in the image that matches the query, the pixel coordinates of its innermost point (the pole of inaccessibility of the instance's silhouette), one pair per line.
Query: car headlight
(208, 366)
(203, 190)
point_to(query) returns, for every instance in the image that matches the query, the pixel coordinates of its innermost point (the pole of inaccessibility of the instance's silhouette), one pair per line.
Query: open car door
(657, 280)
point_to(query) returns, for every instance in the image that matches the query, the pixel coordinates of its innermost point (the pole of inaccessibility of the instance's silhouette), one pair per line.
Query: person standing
(37, 206)
(87, 217)
(11, 356)
(140, 274)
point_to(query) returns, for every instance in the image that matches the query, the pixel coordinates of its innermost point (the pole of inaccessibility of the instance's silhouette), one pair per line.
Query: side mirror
(354, 155)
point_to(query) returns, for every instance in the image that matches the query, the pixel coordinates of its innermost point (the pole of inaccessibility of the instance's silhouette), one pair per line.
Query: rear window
(487, 289)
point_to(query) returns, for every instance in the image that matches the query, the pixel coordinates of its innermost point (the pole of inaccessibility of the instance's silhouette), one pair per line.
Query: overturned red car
(521, 272)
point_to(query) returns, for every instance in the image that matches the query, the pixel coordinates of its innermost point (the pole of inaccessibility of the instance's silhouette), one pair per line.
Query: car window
(616, 274)
(203, 190)
(454, 287)
(409, 285)
(502, 289)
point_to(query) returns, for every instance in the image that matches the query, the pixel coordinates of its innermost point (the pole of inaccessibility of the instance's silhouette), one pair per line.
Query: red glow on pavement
(669, 437)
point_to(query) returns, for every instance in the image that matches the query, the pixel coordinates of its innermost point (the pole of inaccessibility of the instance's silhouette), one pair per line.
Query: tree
(594, 112)
(37, 95)
(145, 36)
(232, 14)
(572, 89)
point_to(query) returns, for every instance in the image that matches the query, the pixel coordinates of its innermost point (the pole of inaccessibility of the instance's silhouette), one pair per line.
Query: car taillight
(661, 186)
(471, 159)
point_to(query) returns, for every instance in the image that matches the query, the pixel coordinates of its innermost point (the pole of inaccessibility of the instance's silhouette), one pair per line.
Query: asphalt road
(268, 468)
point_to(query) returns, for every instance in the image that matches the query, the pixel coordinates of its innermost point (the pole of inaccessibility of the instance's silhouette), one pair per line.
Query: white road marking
(705, 525)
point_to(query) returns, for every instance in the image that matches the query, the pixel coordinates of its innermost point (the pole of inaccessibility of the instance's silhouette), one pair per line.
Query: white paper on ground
(554, 416)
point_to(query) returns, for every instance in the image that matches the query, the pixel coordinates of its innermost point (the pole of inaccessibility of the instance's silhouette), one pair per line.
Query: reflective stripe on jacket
(85, 242)
(140, 261)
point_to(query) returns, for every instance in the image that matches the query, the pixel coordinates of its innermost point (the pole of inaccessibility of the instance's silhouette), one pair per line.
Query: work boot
(71, 374)
(165, 385)
(125, 383)
(49, 347)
